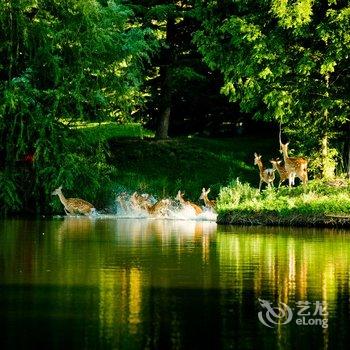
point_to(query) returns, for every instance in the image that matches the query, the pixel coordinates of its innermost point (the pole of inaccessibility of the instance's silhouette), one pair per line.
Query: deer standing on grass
(295, 166)
(207, 202)
(281, 169)
(266, 175)
(74, 205)
(180, 197)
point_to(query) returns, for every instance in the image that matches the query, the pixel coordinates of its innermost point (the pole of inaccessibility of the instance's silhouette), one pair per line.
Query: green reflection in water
(129, 284)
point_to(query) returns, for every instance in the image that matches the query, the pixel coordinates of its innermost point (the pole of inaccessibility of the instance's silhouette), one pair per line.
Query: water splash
(125, 208)
(188, 213)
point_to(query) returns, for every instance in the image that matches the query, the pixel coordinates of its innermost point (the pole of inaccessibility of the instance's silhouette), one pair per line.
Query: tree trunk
(347, 143)
(328, 163)
(165, 106)
(163, 124)
(163, 119)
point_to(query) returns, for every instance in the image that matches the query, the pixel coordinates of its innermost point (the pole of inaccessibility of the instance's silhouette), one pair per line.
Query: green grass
(316, 198)
(163, 167)
(95, 132)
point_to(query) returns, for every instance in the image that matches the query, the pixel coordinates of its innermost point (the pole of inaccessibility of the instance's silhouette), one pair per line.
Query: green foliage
(77, 60)
(286, 61)
(8, 195)
(237, 193)
(86, 177)
(178, 80)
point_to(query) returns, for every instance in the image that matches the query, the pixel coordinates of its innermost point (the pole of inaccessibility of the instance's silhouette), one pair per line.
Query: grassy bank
(137, 162)
(318, 204)
(164, 167)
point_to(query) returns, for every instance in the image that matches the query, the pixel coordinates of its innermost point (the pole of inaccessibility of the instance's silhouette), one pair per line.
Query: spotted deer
(139, 201)
(266, 175)
(180, 197)
(207, 202)
(74, 205)
(295, 166)
(281, 169)
(159, 207)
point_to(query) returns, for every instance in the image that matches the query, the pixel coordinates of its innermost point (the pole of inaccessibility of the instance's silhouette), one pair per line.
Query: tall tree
(174, 65)
(284, 61)
(61, 61)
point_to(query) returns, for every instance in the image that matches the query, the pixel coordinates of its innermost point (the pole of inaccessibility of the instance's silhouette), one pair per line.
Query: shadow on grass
(164, 167)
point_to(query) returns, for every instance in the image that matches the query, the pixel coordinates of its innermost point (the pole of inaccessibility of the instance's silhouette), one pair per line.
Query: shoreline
(278, 219)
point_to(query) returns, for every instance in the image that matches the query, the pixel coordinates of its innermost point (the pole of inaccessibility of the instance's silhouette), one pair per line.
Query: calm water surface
(111, 283)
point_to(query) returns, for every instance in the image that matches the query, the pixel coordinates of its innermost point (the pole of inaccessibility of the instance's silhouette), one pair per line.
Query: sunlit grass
(316, 198)
(99, 132)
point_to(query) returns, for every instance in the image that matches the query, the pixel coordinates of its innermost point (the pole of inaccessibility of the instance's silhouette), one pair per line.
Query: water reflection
(166, 284)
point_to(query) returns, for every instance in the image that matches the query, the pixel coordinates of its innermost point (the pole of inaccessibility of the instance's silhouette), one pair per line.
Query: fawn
(266, 175)
(295, 166)
(180, 197)
(74, 205)
(281, 169)
(207, 202)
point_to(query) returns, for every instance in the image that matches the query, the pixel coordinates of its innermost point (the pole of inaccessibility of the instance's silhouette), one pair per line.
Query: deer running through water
(207, 202)
(74, 205)
(143, 202)
(180, 197)
(159, 208)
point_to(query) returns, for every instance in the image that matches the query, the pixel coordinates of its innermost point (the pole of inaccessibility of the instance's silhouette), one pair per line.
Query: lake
(109, 283)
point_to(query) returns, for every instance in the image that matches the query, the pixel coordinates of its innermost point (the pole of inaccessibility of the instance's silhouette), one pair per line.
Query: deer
(139, 201)
(207, 202)
(266, 175)
(281, 169)
(159, 207)
(295, 166)
(74, 205)
(180, 197)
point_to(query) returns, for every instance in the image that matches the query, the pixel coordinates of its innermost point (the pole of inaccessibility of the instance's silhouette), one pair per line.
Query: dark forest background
(214, 69)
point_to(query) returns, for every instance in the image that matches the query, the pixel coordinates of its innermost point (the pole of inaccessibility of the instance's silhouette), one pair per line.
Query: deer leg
(294, 176)
(305, 178)
(260, 185)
